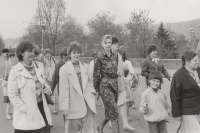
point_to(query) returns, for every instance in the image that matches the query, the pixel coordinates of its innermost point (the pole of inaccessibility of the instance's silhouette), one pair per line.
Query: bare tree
(51, 17)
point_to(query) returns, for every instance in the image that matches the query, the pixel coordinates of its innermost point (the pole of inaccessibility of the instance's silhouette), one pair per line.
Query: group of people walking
(39, 80)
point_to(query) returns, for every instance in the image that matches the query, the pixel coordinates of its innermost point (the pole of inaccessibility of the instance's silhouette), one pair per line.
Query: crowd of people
(39, 84)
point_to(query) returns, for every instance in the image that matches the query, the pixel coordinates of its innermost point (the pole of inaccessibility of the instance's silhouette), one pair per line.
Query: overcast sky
(16, 14)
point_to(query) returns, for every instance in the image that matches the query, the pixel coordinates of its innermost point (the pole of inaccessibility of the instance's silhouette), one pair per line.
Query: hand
(65, 112)
(47, 90)
(178, 118)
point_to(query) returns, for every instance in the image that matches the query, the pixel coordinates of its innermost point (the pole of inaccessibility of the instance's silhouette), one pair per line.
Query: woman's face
(193, 64)
(106, 44)
(65, 57)
(28, 55)
(154, 53)
(48, 55)
(75, 56)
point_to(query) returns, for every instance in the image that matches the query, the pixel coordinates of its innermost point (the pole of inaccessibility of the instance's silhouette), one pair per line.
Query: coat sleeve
(165, 73)
(55, 78)
(13, 93)
(97, 75)
(175, 95)
(144, 69)
(64, 89)
(143, 103)
(90, 74)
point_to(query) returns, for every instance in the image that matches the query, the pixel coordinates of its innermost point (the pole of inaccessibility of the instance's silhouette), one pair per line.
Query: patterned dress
(107, 87)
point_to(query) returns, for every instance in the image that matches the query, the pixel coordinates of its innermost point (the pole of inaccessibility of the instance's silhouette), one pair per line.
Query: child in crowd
(6, 98)
(154, 105)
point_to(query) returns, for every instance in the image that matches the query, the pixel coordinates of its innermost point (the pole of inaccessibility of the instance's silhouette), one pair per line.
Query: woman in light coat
(27, 91)
(76, 97)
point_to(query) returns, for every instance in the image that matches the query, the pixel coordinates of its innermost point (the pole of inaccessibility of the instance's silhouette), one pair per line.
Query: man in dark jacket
(185, 93)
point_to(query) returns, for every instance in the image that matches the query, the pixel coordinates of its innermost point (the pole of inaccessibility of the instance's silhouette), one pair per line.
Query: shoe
(99, 130)
(128, 128)
(8, 117)
(51, 126)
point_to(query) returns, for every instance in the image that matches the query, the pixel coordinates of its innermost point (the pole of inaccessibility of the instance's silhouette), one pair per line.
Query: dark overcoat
(184, 93)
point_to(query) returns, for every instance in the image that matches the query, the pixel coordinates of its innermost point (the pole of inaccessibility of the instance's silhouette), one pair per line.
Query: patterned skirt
(109, 95)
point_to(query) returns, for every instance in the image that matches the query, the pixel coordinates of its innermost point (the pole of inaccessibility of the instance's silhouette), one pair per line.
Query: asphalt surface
(137, 120)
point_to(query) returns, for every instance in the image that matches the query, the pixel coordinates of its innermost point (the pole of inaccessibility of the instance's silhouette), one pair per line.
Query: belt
(107, 76)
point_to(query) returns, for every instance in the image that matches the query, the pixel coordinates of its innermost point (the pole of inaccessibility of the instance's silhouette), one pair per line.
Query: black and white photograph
(100, 66)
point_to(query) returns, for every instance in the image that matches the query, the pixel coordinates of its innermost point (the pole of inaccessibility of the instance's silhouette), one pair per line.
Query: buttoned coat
(22, 94)
(72, 99)
(149, 65)
(184, 93)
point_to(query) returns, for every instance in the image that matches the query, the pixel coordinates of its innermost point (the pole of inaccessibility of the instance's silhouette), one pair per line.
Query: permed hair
(48, 50)
(106, 37)
(188, 56)
(63, 52)
(114, 40)
(22, 47)
(151, 47)
(155, 75)
(74, 46)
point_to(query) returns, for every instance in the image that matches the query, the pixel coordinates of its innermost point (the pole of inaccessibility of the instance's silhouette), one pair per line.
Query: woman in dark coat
(152, 62)
(185, 94)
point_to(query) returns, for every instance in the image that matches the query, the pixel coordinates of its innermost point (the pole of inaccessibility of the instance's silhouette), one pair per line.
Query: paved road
(137, 119)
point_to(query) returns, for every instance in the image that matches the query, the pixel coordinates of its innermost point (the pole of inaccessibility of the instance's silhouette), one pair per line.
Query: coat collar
(23, 71)
(189, 77)
(74, 78)
(152, 62)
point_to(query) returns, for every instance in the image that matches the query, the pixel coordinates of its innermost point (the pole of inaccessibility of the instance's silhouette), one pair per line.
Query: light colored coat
(71, 97)
(22, 94)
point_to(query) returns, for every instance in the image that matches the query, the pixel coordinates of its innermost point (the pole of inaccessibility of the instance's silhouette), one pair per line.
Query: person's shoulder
(100, 55)
(178, 72)
(145, 93)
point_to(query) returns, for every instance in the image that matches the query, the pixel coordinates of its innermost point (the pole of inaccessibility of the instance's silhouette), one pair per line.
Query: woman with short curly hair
(76, 97)
(152, 62)
(27, 91)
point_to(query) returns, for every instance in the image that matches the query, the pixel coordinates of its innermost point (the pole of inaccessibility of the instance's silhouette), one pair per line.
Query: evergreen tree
(164, 42)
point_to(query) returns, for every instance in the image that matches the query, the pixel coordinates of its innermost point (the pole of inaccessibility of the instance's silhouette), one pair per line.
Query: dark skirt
(45, 129)
(6, 99)
(109, 96)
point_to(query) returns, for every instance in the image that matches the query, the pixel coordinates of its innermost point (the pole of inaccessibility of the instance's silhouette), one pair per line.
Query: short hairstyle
(155, 75)
(63, 52)
(48, 50)
(106, 37)
(151, 47)
(114, 40)
(22, 47)
(123, 54)
(36, 52)
(188, 56)
(74, 46)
